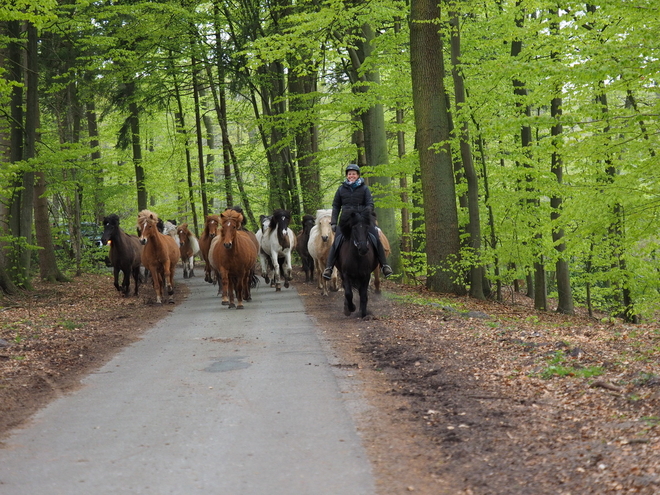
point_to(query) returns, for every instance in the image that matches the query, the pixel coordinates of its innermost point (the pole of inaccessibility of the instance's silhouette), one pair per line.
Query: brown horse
(210, 231)
(160, 255)
(386, 246)
(301, 246)
(188, 248)
(235, 254)
(125, 254)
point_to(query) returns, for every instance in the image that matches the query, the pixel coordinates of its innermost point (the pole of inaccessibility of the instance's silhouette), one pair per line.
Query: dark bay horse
(188, 248)
(125, 254)
(160, 255)
(211, 225)
(235, 255)
(276, 243)
(356, 258)
(301, 246)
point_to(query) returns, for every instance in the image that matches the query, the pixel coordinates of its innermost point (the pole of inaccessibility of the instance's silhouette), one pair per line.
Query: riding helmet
(352, 166)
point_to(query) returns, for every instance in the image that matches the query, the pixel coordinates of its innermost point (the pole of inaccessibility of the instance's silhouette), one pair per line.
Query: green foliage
(557, 366)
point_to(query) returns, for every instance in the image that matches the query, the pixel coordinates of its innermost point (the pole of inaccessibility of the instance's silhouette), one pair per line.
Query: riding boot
(332, 256)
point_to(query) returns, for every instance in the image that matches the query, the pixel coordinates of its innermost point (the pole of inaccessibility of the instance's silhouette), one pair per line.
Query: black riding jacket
(348, 197)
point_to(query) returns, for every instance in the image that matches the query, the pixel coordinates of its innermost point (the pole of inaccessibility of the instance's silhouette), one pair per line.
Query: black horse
(357, 257)
(301, 246)
(125, 253)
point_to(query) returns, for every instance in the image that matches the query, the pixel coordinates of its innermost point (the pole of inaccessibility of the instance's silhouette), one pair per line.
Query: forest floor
(464, 397)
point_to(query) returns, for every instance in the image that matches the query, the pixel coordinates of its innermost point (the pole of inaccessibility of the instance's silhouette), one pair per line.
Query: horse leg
(239, 292)
(224, 287)
(287, 269)
(349, 306)
(116, 273)
(276, 271)
(191, 265)
(364, 297)
(230, 291)
(319, 267)
(126, 282)
(377, 280)
(156, 279)
(136, 279)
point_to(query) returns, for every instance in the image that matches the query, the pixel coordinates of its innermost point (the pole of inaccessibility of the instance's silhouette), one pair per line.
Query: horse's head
(147, 225)
(354, 226)
(211, 225)
(182, 233)
(264, 222)
(325, 229)
(307, 223)
(110, 227)
(231, 221)
(279, 221)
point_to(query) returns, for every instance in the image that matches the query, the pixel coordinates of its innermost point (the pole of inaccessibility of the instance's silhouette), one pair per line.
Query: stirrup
(387, 270)
(327, 273)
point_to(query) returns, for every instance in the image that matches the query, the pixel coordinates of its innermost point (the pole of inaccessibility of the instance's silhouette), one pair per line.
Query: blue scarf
(355, 184)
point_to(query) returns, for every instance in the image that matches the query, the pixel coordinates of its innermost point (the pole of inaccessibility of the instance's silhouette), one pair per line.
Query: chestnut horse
(160, 255)
(320, 241)
(188, 248)
(356, 258)
(386, 246)
(210, 231)
(125, 254)
(235, 255)
(301, 246)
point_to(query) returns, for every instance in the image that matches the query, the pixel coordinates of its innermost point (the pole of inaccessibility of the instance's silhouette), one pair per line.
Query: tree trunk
(134, 120)
(474, 226)
(564, 292)
(431, 123)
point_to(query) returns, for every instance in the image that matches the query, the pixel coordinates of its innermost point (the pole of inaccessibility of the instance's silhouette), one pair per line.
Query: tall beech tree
(432, 138)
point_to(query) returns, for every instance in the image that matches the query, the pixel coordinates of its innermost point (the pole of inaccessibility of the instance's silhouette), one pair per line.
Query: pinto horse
(235, 255)
(301, 246)
(188, 248)
(125, 254)
(210, 231)
(160, 255)
(320, 241)
(277, 242)
(356, 258)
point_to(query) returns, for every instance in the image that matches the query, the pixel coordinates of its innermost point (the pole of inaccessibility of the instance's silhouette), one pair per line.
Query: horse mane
(277, 214)
(145, 215)
(232, 214)
(112, 219)
(323, 213)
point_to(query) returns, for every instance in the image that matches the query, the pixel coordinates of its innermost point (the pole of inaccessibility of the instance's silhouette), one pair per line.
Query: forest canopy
(509, 143)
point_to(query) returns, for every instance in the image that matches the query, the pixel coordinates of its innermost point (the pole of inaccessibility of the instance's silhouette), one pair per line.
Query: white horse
(264, 259)
(277, 242)
(320, 241)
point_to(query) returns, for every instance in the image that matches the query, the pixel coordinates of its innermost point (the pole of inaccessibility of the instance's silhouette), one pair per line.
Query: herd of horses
(230, 253)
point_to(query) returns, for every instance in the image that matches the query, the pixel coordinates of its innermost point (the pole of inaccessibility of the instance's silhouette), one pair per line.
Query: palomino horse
(188, 248)
(321, 238)
(386, 246)
(356, 258)
(235, 255)
(159, 256)
(277, 242)
(210, 230)
(125, 254)
(301, 246)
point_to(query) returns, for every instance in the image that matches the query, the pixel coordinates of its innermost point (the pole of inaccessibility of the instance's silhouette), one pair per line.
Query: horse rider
(353, 194)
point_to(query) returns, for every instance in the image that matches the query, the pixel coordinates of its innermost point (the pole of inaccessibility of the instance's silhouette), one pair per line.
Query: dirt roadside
(464, 397)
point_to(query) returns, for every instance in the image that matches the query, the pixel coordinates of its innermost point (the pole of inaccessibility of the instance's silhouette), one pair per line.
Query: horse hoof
(225, 303)
(232, 305)
(347, 312)
(286, 284)
(240, 306)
